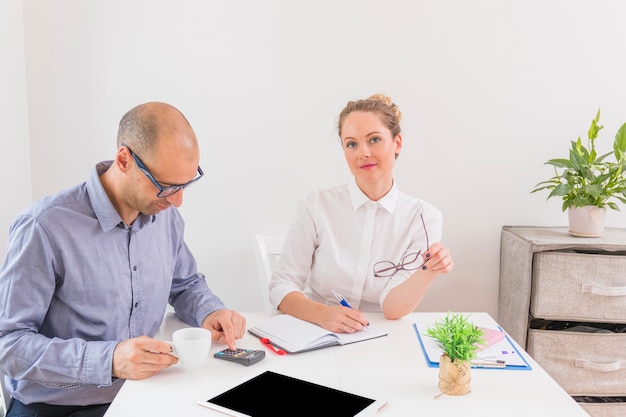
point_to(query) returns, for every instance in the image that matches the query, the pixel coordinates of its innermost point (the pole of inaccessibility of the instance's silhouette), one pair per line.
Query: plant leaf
(620, 142)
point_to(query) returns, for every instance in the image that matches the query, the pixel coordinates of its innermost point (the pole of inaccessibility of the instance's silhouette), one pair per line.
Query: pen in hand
(344, 302)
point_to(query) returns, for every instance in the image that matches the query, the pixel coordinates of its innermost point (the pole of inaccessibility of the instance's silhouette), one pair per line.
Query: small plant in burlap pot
(459, 339)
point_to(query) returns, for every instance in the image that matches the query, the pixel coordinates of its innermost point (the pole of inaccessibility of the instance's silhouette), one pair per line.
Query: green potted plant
(459, 339)
(588, 183)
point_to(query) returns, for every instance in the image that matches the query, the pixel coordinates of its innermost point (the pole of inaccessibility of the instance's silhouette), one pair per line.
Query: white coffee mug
(191, 345)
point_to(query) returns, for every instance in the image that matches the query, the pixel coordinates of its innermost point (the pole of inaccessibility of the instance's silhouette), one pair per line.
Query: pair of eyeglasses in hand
(410, 262)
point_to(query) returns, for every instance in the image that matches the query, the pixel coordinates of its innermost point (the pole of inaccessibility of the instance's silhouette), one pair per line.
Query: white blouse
(336, 237)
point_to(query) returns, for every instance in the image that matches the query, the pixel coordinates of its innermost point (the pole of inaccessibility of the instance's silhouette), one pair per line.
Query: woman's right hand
(336, 318)
(342, 319)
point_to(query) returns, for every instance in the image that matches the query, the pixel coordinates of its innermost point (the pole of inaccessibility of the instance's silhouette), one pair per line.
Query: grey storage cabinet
(563, 299)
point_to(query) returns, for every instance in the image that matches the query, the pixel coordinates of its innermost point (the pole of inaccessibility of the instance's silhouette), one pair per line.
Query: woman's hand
(438, 259)
(342, 319)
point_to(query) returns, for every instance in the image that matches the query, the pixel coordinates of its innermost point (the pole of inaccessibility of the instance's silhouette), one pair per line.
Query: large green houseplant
(459, 339)
(588, 180)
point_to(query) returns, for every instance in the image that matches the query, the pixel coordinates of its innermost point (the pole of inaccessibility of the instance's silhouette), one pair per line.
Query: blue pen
(343, 301)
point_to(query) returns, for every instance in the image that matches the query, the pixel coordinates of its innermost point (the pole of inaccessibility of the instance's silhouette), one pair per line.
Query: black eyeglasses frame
(163, 191)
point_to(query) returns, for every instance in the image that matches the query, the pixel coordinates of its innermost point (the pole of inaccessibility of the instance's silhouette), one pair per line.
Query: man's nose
(176, 199)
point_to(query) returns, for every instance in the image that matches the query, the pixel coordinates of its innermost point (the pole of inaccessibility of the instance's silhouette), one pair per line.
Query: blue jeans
(18, 409)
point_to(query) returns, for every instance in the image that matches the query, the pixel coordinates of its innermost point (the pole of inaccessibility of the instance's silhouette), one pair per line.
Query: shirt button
(135, 268)
(136, 305)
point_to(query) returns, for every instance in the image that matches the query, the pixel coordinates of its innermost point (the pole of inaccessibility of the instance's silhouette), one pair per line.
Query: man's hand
(225, 326)
(141, 357)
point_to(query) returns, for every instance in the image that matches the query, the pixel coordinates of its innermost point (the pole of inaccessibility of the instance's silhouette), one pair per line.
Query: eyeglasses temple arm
(425, 231)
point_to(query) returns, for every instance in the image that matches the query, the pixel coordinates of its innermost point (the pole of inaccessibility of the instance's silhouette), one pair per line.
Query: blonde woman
(366, 240)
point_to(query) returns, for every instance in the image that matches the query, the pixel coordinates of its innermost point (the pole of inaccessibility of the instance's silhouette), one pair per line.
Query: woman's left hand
(438, 259)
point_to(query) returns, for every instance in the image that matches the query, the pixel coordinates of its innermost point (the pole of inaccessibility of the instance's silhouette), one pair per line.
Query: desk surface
(390, 368)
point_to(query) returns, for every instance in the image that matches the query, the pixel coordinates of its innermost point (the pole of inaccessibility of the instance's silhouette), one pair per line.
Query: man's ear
(122, 159)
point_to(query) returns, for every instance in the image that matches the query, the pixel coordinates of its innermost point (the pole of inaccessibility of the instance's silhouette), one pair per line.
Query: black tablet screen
(272, 394)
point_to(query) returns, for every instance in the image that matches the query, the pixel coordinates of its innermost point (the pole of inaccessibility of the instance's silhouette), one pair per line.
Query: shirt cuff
(98, 363)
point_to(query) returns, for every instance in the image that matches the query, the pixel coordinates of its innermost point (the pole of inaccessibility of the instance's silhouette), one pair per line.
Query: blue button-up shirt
(76, 281)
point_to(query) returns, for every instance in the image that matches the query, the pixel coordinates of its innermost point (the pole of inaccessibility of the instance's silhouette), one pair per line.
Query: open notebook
(294, 335)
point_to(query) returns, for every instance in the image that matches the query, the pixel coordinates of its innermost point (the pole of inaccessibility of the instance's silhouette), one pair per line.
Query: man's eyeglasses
(163, 191)
(410, 262)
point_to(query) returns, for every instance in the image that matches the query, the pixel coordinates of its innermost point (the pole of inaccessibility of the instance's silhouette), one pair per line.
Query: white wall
(15, 192)
(490, 90)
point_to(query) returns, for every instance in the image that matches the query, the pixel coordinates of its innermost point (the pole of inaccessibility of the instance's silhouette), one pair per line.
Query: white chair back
(4, 397)
(266, 252)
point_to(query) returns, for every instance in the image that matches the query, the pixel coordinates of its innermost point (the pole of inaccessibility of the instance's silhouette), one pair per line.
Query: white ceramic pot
(586, 221)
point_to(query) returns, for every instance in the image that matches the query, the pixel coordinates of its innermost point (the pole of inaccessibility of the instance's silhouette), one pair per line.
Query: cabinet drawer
(582, 363)
(604, 409)
(579, 286)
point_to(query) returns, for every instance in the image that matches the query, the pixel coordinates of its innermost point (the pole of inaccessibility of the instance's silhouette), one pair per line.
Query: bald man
(89, 272)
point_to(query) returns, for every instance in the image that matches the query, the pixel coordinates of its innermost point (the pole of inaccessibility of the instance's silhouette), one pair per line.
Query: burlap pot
(454, 378)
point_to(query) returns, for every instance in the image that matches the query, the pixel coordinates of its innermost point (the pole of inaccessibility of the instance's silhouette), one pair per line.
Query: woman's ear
(398, 142)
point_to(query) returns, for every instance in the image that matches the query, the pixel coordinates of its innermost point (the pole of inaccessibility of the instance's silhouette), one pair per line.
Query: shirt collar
(106, 213)
(358, 198)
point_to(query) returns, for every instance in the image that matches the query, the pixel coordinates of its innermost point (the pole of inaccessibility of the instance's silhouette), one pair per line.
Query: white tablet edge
(372, 409)
(227, 411)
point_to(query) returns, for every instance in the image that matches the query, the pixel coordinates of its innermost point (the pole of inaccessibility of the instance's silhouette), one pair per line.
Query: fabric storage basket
(604, 409)
(582, 363)
(579, 286)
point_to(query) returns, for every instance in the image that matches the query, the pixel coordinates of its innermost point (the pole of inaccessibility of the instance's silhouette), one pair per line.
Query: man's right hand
(141, 357)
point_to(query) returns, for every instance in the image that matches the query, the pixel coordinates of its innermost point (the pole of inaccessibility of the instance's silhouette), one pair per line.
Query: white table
(391, 368)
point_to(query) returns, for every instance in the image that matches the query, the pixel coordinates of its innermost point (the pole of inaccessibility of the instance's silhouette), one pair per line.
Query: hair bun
(389, 103)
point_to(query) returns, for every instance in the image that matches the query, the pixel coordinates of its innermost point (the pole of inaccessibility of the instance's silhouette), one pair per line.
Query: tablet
(268, 393)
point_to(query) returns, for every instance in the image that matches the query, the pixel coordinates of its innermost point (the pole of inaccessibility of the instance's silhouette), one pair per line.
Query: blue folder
(434, 362)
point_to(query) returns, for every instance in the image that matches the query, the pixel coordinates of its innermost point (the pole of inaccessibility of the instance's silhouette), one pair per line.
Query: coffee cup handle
(173, 351)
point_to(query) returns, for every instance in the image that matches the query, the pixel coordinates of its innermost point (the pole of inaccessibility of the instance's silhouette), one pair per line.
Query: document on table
(294, 335)
(487, 357)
